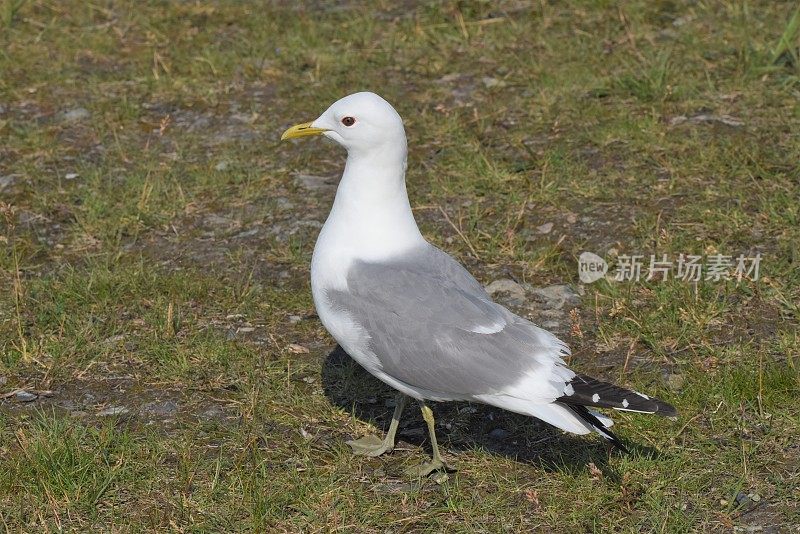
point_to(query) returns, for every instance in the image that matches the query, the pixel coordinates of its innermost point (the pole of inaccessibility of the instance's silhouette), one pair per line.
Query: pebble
(546, 228)
(515, 291)
(295, 319)
(675, 381)
(284, 203)
(315, 183)
(113, 410)
(76, 114)
(213, 412)
(162, 408)
(71, 175)
(492, 82)
(246, 233)
(221, 166)
(557, 296)
(216, 220)
(7, 180)
(742, 498)
(26, 396)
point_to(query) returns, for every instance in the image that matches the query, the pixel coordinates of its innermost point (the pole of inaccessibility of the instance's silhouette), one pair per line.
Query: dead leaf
(595, 472)
(532, 496)
(298, 349)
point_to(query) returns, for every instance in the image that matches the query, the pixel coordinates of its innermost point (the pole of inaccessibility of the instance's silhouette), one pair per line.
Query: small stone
(312, 182)
(213, 412)
(306, 434)
(294, 348)
(161, 408)
(113, 410)
(755, 497)
(557, 296)
(284, 203)
(546, 228)
(440, 477)
(675, 381)
(245, 330)
(70, 175)
(295, 319)
(221, 166)
(26, 396)
(246, 233)
(7, 180)
(515, 291)
(216, 220)
(76, 114)
(234, 317)
(489, 82)
(3, 380)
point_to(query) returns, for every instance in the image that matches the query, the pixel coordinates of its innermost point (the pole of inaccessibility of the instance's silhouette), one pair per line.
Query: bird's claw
(370, 445)
(436, 466)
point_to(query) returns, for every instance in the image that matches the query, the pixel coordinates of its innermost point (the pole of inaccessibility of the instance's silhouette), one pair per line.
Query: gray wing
(432, 326)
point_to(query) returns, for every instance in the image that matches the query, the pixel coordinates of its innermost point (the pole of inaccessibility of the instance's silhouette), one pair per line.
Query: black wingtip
(587, 391)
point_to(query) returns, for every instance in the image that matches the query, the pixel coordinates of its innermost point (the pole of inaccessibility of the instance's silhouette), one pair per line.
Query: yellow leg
(374, 446)
(436, 463)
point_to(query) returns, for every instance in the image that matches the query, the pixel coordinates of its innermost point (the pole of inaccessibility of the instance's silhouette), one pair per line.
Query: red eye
(348, 121)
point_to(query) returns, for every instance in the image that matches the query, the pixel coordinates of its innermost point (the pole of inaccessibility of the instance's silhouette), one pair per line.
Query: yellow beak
(302, 130)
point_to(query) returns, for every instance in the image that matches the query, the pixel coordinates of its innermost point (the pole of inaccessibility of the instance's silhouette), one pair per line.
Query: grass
(154, 267)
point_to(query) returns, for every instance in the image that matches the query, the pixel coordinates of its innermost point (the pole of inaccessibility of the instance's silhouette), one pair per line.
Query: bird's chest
(329, 268)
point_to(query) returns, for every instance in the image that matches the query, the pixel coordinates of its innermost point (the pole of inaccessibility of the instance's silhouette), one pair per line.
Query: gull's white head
(361, 122)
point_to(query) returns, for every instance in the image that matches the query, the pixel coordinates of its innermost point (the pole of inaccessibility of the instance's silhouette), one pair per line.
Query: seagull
(413, 316)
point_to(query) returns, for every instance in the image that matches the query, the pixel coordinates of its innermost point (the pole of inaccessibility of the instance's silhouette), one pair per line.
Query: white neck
(371, 218)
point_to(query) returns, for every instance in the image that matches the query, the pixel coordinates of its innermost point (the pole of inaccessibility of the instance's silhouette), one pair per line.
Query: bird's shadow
(462, 426)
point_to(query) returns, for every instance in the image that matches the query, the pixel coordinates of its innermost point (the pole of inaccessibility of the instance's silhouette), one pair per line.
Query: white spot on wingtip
(595, 397)
(625, 403)
(569, 390)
